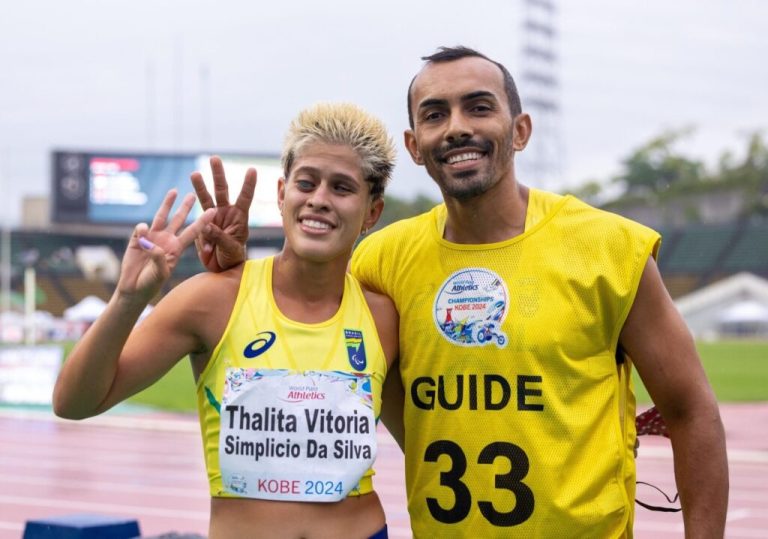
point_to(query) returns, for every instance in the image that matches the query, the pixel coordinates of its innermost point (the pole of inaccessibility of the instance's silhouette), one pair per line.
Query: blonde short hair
(347, 124)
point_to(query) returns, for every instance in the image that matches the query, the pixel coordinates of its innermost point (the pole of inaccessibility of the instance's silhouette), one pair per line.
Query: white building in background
(736, 307)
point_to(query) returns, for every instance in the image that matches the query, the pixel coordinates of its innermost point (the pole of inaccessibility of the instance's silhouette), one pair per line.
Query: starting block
(82, 527)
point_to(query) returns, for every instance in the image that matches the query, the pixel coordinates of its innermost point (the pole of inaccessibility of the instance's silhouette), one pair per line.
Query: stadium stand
(690, 257)
(62, 283)
(698, 248)
(750, 251)
(56, 297)
(697, 255)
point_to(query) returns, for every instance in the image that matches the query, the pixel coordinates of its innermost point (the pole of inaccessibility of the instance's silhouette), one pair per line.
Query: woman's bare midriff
(353, 517)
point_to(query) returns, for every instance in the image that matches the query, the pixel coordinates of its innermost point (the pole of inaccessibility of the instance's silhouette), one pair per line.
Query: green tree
(750, 175)
(590, 192)
(655, 167)
(397, 208)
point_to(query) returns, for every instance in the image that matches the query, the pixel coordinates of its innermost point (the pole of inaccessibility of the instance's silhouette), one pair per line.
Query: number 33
(511, 481)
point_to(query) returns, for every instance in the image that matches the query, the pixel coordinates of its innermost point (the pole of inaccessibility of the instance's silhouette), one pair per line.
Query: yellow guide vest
(518, 421)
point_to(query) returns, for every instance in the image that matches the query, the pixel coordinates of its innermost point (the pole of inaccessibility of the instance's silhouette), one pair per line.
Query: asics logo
(261, 344)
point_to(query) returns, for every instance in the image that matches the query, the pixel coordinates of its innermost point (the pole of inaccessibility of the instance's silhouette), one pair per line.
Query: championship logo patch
(353, 339)
(470, 308)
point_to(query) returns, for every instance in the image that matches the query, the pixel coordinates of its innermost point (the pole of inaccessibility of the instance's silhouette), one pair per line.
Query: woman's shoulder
(206, 292)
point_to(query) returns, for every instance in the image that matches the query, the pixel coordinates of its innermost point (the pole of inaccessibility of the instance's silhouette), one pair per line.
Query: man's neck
(496, 215)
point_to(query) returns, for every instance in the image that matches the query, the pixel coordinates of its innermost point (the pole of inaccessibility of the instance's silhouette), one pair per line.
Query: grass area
(737, 370)
(173, 392)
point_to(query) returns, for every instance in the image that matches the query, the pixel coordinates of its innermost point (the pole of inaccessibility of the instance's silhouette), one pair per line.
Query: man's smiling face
(463, 129)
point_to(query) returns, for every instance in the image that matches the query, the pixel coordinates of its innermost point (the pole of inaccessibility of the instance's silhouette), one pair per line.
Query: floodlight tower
(541, 163)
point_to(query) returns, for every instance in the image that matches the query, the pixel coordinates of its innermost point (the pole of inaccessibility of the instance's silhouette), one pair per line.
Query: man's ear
(413, 149)
(523, 129)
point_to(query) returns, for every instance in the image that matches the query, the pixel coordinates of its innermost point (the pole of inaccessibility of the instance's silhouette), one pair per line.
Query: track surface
(150, 467)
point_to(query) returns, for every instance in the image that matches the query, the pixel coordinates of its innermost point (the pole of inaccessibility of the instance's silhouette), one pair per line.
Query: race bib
(298, 436)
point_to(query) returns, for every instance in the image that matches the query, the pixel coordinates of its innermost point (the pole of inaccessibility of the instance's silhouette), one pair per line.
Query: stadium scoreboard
(112, 188)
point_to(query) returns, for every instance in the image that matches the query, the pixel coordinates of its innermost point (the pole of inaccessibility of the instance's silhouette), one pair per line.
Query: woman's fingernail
(145, 243)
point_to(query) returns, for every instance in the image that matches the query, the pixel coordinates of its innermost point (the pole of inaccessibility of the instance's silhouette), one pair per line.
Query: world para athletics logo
(353, 339)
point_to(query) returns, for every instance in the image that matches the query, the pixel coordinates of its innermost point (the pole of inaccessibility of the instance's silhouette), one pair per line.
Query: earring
(364, 231)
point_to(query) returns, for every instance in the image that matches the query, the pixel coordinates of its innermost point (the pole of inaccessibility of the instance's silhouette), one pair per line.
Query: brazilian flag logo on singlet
(353, 339)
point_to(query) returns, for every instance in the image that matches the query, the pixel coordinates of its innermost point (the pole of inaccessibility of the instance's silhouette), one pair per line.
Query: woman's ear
(280, 193)
(373, 214)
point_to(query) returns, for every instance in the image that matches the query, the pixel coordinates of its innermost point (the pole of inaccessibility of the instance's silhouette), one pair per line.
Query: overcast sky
(228, 75)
